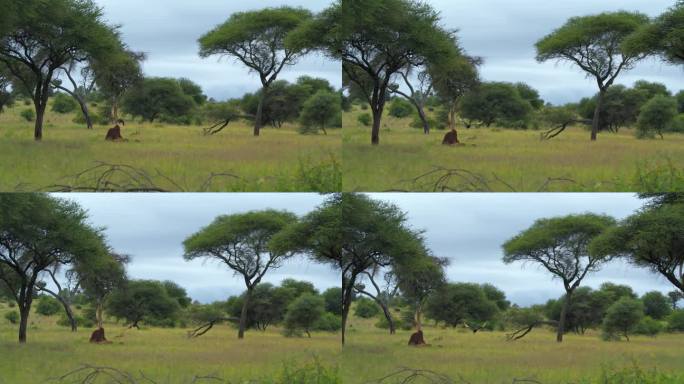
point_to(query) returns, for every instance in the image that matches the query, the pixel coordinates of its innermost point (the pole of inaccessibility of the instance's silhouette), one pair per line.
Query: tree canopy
(664, 36)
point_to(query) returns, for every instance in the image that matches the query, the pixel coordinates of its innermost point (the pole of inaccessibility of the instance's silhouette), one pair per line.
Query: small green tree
(656, 305)
(649, 327)
(333, 300)
(63, 104)
(319, 111)
(454, 304)
(303, 314)
(656, 116)
(48, 306)
(142, 300)
(676, 321)
(593, 43)
(158, 98)
(622, 318)
(366, 308)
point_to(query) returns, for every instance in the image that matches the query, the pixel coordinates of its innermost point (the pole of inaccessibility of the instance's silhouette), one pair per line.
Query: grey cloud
(151, 228)
(167, 31)
(469, 229)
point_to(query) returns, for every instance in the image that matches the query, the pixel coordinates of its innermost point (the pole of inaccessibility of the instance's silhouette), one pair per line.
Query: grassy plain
(166, 355)
(505, 160)
(486, 357)
(173, 158)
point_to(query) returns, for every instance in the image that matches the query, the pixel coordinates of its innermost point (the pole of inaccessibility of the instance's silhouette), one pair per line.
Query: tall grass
(178, 158)
(493, 159)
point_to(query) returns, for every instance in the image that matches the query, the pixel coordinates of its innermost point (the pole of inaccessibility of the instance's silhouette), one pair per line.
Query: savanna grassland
(164, 157)
(486, 357)
(166, 355)
(505, 160)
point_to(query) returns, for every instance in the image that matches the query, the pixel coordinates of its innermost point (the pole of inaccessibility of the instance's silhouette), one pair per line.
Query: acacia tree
(115, 73)
(47, 35)
(594, 43)
(257, 40)
(664, 36)
(561, 246)
(417, 94)
(453, 79)
(242, 243)
(38, 235)
(382, 296)
(652, 238)
(419, 275)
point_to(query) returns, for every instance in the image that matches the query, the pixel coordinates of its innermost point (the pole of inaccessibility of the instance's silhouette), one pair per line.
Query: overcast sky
(167, 31)
(152, 227)
(504, 33)
(469, 229)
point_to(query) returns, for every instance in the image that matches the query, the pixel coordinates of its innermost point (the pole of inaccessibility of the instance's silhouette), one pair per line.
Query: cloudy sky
(152, 227)
(470, 228)
(167, 30)
(504, 33)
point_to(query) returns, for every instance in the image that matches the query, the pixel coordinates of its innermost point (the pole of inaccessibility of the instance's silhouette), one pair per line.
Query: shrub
(80, 321)
(417, 123)
(329, 322)
(12, 317)
(400, 108)
(655, 116)
(28, 115)
(649, 327)
(63, 103)
(364, 119)
(48, 306)
(677, 125)
(621, 318)
(676, 321)
(366, 308)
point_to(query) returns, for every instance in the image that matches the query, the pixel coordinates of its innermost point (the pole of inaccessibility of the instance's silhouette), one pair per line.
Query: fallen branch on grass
(522, 332)
(557, 130)
(206, 327)
(91, 374)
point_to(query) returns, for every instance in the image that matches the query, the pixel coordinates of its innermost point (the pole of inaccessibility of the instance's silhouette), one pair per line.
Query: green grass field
(164, 355)
(486, 357)
(172, 158)
(506, 160)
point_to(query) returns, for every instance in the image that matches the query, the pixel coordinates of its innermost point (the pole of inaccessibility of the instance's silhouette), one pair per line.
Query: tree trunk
(86, 113)
(69, 313)
(243, 314)
(418, 315)
(40, 106)
(563, 315)
(347, 293)
(388, 316)
(375, 131)
(115, 110)
(260, 111)
(98, 314)
(423, 118)
(595, 124)
(24, 311)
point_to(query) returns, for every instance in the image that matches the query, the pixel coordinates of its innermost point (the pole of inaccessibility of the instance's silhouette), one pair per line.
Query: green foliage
(655, 117)
(663, 37)
(365, 119)
(303, 314)
(333, 300)
(160, 99)
(320, 111)
(312, 373)
(499, 103)
(366, 308)
(656, 305)
(400, 108)
(12, 317)
(328, 322)
(143, 300)
(81, 321)
(677, 125)
(676, 321)
(63, 103)
(28, 115)
(455, 303)
(649, 327)
(48, 306)
(622, 318)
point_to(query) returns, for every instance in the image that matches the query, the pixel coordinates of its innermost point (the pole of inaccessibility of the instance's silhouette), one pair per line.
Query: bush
(329, 322)
(676, 321)
(649, 327)
(400, 108)
(677, 125)
(63, 103)
(48, 306)
(366, 308)
(12, 317)
(80, 321)
(28, 115)
(364, 119)
(656, 116)
(417, 123)
(621, 318)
